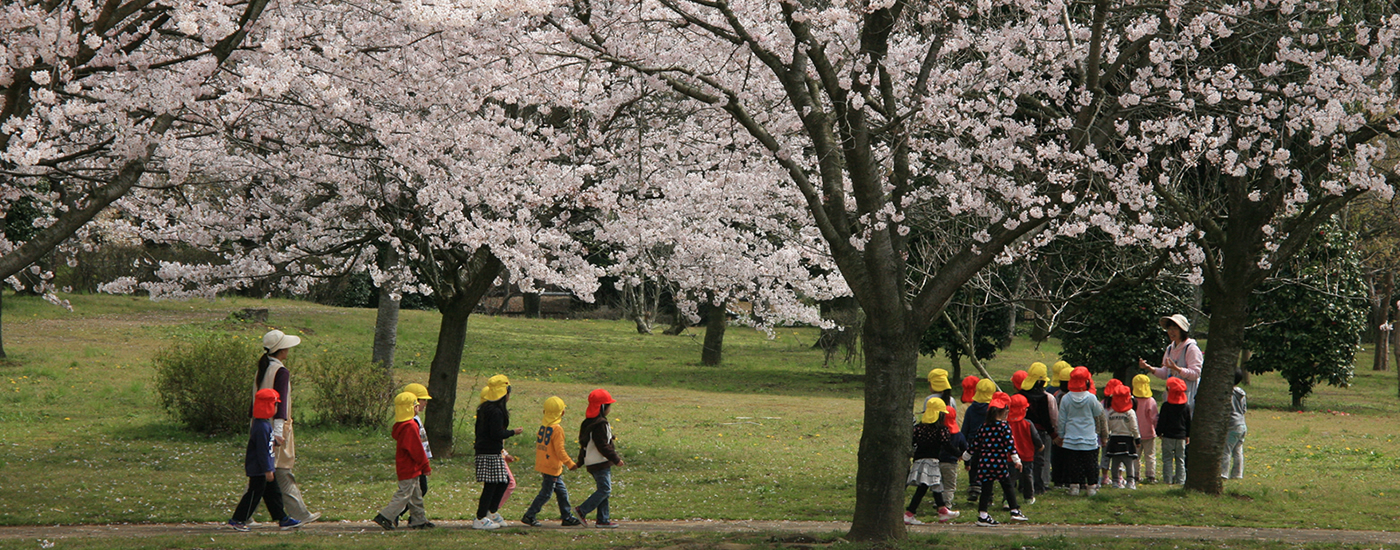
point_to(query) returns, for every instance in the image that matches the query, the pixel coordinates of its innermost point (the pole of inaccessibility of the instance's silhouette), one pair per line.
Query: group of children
(412, 456)
(1059, 435)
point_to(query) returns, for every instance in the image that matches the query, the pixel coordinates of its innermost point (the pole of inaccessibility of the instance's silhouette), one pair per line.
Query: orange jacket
(550, 457)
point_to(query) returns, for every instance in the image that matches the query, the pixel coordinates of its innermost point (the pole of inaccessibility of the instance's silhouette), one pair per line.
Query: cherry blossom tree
(93, 97)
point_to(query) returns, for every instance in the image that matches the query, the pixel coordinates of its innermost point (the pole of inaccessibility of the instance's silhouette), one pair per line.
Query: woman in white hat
(1183, 357)
(273, 374)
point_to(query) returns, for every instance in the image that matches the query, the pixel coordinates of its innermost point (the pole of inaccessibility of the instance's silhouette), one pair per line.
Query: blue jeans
(599, 499)
(553, 485)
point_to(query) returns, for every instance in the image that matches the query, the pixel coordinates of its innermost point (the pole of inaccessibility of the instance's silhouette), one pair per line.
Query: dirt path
(1297, 536)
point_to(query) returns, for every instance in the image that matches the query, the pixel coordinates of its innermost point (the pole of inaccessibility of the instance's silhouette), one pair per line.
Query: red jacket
(410, 460)
(1025, 436)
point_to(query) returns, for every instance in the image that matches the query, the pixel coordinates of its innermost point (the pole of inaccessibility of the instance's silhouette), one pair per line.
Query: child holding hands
(411, 463)
(258, 464)
(996, 455)
(550, 461)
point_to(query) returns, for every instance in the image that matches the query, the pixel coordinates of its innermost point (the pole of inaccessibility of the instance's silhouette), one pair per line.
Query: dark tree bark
(891, 362)
(532, 304)
(459, 291)
(716, 320)
(1381, 359)
(386, 319)
(2, 326)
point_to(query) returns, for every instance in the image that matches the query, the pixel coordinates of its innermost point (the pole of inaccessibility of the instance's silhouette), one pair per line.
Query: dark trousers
(1025, 479)
(491, 494)
(974, 491)
(1041, 466)
(919, 497)
(1008, 491)
(259, 490)
(552, 486)
(422, 486)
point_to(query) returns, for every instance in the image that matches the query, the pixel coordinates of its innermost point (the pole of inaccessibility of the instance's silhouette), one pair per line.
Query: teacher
(1182, 359)
(273, 374)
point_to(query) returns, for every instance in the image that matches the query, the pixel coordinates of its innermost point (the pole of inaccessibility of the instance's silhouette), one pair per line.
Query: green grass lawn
(771, 434)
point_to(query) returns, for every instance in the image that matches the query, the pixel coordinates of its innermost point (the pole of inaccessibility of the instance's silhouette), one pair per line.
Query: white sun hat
(275, 341)
(1177, 319)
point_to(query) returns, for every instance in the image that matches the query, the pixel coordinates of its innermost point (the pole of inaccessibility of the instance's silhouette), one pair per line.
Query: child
(1123, 438)
(995, 450)
(1057, 467)
(1042, 413)
(1059, 384)
(1174, 428)
(969, 387)
(421, 392)
(930, 438)
(1081, 427)
(951, 453)
(1028, 445)
(1107, 402)
(411, 464)
(938, 384)
(1235, 432)
(492, 429)
(595, 439)
(1016, 379)
(259, 464)
(550, 460)
(972, 423)
(1147, 426)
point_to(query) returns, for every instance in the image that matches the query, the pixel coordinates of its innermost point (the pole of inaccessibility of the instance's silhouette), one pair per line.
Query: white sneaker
(1120, 485)
(909, 519)
(1030, 502)
(1074, 490)
(496, 517)
(948, 515)
(1132, 485)
(1093, 490)
(485, 523)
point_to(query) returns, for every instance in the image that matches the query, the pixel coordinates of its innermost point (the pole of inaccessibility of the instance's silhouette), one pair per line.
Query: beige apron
(286, 453)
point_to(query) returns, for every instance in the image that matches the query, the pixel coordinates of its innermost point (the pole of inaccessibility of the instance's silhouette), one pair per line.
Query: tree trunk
(1228, 319)
(386, 329)
(386, 319)
(891, 359)
(1381, 358)
(2, 326)
(532, 305)
(457, 300)
(1040, 331)
(716, 320)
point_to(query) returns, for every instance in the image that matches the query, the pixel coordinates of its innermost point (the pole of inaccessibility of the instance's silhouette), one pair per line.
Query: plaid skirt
(491, 469)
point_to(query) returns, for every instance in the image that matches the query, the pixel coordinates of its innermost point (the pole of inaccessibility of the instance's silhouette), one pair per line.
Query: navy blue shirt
(258, 459)
(973, 417)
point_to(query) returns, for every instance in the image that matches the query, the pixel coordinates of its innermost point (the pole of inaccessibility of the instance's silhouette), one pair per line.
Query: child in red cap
(1028, 444)
(948, 459)
(996, 455)
(259, 464)
(1174, 429)
(595, 439)
(1123, 438)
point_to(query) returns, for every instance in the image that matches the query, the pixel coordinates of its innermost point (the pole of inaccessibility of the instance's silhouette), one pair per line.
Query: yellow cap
(985, 388)
(403, 406)
(933, 410)
(495, 388)
(938, 380)
(419, 390)
(553, 411)
(1036, 374)
(1062, 370)
(1142, 386)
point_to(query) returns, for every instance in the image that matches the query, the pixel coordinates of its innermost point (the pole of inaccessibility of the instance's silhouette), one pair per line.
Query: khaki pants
(949, 472)
(410, 494)
(1147, 458)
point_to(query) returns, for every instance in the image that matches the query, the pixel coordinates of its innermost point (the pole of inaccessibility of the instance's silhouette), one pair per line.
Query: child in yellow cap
(492, 429)
(1147, 426)
(931, 437)
(550, 461)
(410, 462)
(421, 392)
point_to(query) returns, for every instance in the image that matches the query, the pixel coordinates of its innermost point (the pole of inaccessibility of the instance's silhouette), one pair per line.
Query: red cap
(1112, 383)
(1122, 398)
(1017, 378)
(1176, 391)
(596, 399)
(1000, 400)
(969, 388)
(951, 419)
(1080, 379)
(265, 403)
(1018, 408)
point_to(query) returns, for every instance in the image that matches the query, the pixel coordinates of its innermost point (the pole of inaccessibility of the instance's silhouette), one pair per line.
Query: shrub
(350, 391)
(205, 381)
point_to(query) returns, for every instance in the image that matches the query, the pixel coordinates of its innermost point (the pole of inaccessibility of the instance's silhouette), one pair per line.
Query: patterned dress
(993, 444)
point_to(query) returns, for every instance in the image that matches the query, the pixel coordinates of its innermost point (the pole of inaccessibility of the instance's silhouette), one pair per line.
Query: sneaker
(1150, 480)
(1074, 490)
(1017, 515)
(987, 521)
(909, 519)
(605, 524)
(255, 525)
(424, 525)
(1132, 485)
(1030, 502)
(238, 526)
(289, 523)
(1093, 490)
(384, 522)
(311, 518)
(1103, 481)
(581, 517)
(1120, 485)
(532, 522)
(945, 515)
(496, 517)
(571, 522)
(484, 523)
